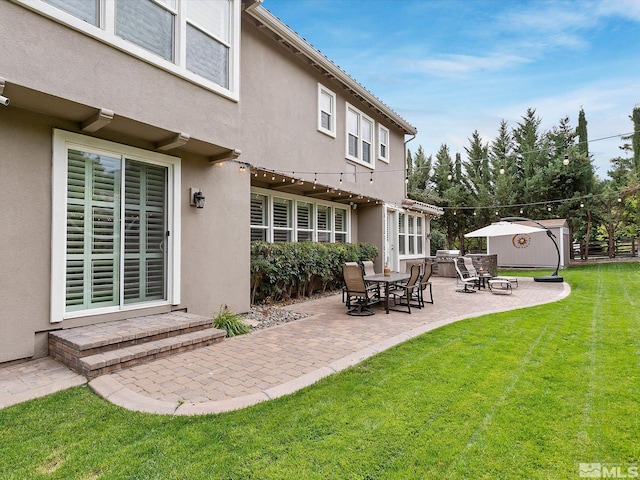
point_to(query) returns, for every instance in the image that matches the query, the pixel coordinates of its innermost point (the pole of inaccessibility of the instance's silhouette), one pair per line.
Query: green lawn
(527, 394)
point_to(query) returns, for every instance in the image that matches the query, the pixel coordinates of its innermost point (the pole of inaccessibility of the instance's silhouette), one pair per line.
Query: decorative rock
(265, 316)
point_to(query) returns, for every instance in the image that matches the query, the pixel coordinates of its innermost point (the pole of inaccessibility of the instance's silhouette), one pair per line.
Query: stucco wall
(46, 56)
(279, 107)
(215, 266)
(25, 236)
(215, 239)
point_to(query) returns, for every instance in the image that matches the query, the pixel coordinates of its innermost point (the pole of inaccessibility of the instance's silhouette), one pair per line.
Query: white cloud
(456, 65)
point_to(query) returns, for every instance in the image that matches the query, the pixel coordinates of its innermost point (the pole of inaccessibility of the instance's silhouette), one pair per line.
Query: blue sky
(452, 67)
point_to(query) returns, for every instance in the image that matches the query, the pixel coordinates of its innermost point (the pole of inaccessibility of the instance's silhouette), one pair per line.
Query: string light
(450, 175)
(371, 179)
(565, 160)
(341, 179)
(501, 169)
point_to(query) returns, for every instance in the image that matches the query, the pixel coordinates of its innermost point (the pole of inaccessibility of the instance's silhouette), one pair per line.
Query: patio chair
(344, 287)
(358, 300)
(408, 292)
(468, 265)
(500, 285)
(424, 283)
(367, 266)
(465, 278)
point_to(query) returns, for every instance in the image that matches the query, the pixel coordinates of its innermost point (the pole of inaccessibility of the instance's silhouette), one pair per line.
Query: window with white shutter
(402, 234)
(304, 221)
(324, 223)
(113, 238)
(419, 237)
(259, 217)
(411, 237)
(282, 220)
(340, 225)
(283, 217)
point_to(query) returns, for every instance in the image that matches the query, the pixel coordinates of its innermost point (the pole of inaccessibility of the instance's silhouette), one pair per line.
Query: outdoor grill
(444, 259)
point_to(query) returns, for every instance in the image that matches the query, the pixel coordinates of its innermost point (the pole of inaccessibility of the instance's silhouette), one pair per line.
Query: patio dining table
(387, 281)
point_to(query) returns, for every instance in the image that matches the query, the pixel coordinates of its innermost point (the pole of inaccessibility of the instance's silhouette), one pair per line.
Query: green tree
(419, 168)
(531, 160)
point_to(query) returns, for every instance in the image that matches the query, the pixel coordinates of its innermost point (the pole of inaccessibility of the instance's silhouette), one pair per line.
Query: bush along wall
(280, 271)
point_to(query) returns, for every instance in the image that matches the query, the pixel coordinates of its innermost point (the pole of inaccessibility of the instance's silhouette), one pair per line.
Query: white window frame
(62, 141)
(270, 194)
(405, 235)
(266, 216)
(331, 131)
(362, 117)
(312, 219)
(334, 229)
(291, 213)
(382, 131)
(105, 32)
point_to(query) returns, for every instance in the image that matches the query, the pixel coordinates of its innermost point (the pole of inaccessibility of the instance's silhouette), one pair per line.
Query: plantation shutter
(419, 237)
(259, 218)
(412, 237)
(145, 232)
(304, 220)
(340, 225)
(282, 224)
(324, 232)
(401, 234)
(93, 231)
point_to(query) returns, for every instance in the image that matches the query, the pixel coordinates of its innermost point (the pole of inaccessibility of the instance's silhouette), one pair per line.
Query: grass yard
(527, 394)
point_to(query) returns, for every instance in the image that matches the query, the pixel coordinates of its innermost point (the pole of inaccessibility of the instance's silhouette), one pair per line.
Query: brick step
(107, 362)
(71, 345)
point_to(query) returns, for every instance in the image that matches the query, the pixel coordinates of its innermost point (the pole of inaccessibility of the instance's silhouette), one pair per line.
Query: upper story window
(359, 135)
(326, 111)
(383, 143)
(195, 39)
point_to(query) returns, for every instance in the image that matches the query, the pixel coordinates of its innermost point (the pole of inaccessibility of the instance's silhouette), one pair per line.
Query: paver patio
(268, 363)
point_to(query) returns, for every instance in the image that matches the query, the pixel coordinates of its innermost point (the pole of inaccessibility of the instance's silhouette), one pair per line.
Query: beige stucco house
(121, 111)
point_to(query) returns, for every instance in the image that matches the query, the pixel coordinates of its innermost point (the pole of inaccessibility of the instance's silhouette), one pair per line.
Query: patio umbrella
(503, 228)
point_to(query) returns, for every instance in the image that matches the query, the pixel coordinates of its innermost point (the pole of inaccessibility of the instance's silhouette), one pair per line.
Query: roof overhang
(281, 182)
(425, 208)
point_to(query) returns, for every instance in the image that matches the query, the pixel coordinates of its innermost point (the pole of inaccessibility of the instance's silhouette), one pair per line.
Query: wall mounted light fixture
(197, 198)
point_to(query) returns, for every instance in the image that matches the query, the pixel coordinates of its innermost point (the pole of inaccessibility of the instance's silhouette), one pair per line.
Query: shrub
(230, 322)
(280, 271)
